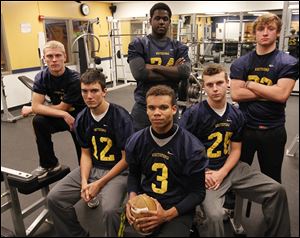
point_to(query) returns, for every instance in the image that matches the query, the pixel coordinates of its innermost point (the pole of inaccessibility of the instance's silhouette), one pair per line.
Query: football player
(167, 163)
(261, 82)
(219, 126)
(102, 129)
(156, 59)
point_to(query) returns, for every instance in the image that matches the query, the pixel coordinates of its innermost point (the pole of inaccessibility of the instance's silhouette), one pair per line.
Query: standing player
(261, 82)
(167, 163)
(156, 59)
(102, 130)
(219, 125)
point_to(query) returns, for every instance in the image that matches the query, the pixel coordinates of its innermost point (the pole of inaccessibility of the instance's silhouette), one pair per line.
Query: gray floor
(18, 151)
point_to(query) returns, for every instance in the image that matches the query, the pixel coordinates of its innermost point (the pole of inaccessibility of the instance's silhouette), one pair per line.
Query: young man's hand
(26, 110)
(213, 179)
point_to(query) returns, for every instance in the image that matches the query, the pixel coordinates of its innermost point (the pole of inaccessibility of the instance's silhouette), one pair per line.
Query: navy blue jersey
(64, 88)
(152, 53)
(163, 172)
(214, 131)
(106, 138)
(264, 69)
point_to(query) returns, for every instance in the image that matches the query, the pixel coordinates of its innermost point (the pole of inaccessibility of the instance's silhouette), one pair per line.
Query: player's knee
(216, 215)
(279, 190)
(39, 122)
(108, 211)
(52, 199)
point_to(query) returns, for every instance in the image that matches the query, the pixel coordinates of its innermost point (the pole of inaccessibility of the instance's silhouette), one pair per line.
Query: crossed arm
(241, 91)
(158, 73)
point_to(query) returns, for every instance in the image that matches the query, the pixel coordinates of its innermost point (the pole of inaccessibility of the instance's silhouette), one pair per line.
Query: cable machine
(86, 52)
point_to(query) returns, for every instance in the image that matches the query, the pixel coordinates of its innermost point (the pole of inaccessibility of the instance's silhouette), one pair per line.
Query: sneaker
(41, 172)
(228, 213)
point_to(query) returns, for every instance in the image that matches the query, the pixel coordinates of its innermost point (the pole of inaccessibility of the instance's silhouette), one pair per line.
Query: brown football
(139, 205)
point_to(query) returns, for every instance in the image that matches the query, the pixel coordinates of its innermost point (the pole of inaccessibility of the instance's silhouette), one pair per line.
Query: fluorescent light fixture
(258, 13)
(214, 13)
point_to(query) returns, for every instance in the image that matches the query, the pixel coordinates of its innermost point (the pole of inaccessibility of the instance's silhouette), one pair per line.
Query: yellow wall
(201, 22)
(22, 47)
(125, 29)
(174, 19)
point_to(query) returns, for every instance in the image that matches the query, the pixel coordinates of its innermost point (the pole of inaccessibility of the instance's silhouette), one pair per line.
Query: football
(139, 205)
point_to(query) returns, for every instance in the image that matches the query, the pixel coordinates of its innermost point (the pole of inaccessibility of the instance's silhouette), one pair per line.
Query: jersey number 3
(160, 178)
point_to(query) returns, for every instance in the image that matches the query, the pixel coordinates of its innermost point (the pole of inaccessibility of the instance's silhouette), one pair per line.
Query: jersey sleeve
(238, 70)
(182, 52)
(196, 193)
(194, 170)
(124, 128)
(289, 68)
(239, 124)
(134, 176)
(135, 49)
(196, 155)
(80, 130)
(73, 93)
(188, 119)
(39, 83)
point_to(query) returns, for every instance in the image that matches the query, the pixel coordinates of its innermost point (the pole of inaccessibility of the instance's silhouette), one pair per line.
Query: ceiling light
(258, 13)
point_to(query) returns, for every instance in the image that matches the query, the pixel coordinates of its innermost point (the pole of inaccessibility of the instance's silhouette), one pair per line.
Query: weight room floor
(18, 151)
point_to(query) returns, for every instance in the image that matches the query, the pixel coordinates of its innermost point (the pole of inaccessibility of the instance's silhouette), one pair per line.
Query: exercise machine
(20, 182)
(235, 217)
(86, 52)
(6, 116)
(189, 92)
(28, 82)
(293, 147)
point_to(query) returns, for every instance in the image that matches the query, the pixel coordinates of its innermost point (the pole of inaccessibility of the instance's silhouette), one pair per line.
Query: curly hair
(267, 19)
(162, 90)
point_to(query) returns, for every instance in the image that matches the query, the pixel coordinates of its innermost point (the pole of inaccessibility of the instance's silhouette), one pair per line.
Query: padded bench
(28, 82)
(25, 183)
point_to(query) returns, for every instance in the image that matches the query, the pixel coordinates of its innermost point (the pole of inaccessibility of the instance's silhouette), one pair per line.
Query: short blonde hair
(53, 44)
(267, 19)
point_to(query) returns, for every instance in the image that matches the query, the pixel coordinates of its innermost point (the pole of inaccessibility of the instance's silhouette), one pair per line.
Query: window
(80, 27)
(57, 30)
(66, 31)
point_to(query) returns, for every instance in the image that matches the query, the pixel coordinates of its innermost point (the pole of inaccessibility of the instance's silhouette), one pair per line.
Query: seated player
(167, 163)
(219, 126)
(102, 130)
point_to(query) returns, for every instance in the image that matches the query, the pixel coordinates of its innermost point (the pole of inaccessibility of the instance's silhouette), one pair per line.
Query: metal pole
(224, 36)
(284, 25)
(240, 36)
